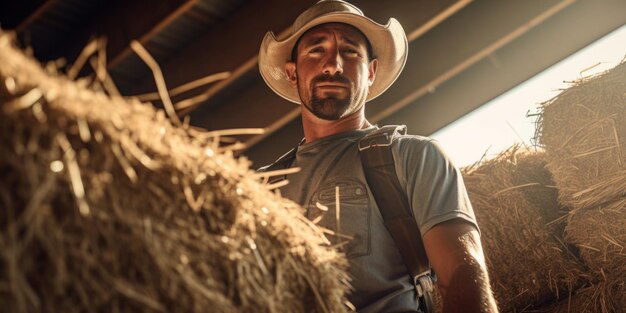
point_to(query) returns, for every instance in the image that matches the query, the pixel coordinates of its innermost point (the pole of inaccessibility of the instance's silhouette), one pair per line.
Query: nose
(333, 64)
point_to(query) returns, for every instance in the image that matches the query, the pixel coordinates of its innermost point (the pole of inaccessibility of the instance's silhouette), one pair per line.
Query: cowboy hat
(389, 46)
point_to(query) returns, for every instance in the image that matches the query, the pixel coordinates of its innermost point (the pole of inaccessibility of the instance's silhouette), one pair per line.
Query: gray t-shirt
(436, 193)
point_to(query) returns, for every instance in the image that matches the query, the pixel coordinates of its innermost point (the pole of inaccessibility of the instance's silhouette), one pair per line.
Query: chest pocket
(351, 232)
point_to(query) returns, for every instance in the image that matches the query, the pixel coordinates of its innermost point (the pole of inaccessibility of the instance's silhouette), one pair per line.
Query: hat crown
(324, 7)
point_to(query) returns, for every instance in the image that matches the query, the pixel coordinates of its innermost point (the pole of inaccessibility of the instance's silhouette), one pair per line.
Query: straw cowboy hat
(388, 42)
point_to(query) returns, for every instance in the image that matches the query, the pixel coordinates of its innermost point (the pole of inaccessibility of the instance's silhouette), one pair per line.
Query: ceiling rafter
(469, 61)
(35, 15)
(160, 18)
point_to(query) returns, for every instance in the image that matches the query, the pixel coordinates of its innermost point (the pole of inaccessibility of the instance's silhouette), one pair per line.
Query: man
(335, 60)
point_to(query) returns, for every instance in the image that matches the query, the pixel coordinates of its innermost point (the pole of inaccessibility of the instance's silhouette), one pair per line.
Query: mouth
(331, 86)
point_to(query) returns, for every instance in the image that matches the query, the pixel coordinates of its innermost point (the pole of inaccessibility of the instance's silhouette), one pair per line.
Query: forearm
(469, 290)
(456, 255)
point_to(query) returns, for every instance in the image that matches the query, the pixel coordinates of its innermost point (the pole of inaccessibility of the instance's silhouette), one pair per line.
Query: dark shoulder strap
(283, 162)
(380, 173)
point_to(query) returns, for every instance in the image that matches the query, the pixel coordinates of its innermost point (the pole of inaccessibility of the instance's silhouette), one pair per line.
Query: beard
(330, 107)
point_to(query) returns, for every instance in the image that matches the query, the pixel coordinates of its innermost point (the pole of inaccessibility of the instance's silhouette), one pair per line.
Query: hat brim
(389, 45)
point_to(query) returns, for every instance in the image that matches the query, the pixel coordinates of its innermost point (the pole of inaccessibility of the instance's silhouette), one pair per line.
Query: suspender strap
(283, 162)
(380, 173)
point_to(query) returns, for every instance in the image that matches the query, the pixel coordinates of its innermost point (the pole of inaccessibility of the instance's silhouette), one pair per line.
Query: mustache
(331, 79)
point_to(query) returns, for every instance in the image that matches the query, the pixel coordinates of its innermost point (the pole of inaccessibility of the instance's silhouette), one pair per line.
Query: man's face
(332, 71)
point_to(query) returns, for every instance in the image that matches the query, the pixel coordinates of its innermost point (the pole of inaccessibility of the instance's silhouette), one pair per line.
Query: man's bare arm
(456, 255)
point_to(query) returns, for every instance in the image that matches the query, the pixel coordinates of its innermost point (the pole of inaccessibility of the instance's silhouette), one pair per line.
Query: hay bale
(584, 300)
(600, 235)
(516, 205)
(584, 132)
(106, 207)
(574, 303)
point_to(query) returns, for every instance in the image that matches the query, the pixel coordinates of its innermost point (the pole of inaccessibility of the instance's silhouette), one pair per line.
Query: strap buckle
(382, 137)
(423, 284)
(378, 140)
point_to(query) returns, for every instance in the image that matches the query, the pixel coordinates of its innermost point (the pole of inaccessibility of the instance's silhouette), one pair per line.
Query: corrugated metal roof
(56, 25)
(178, 34)
(52, 26)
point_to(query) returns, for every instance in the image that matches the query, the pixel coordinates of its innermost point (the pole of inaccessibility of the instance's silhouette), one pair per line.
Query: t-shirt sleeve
(434, 185)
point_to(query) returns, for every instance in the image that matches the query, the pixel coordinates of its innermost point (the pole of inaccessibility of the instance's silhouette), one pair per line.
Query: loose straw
(159, 80)
(235, 131)
(186, 87)
(99, 65)
(277, 185)
(286, 171)
(84, 55)
(337, 212)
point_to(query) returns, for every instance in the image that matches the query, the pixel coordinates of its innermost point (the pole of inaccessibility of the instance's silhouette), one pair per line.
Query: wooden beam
(437, 19)
(416, 17)
(512, 33)
(41, 9)
(159, 17)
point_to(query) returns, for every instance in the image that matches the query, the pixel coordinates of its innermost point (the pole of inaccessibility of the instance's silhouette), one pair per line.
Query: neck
(316, 128)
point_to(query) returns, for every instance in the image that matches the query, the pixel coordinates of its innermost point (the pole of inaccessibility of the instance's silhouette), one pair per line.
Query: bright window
(503, 121)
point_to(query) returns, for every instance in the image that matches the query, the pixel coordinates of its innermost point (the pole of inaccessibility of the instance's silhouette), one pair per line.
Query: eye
(316, 50)
(350, 52)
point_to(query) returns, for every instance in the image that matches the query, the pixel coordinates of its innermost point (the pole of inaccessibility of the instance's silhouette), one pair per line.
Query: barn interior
(130, 185)
(462, 53)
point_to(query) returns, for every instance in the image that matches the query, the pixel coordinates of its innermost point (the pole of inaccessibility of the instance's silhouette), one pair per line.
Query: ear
(371, 71)
(290, 70)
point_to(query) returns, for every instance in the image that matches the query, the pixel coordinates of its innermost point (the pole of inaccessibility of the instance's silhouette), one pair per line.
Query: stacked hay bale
(106, 207)
(584, 132)
(516, 205)
(578, 301)
(600, 235)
